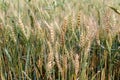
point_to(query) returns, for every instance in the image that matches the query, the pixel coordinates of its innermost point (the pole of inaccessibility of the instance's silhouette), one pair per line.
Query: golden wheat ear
(114, 9)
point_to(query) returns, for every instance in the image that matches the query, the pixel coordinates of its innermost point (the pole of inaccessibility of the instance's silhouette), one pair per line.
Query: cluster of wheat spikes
(59, 40)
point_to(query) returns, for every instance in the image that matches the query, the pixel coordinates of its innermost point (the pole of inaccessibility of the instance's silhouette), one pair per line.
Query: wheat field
(59, 40)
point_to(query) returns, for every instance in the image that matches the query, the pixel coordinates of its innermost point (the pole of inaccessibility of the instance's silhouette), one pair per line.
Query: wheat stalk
(58, 62)
(38, 29)
(12, 34)
(26, 30)
(22, 27)
(76, 64)
(50, 61)
(63, 32)
(52, 33)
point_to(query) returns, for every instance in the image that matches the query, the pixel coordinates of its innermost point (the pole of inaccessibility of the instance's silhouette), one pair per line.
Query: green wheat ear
(116, 10)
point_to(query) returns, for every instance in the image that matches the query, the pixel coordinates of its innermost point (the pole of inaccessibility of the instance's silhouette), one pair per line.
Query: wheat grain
(26, 30)
(78, 20)
(12, 34)
(63, 32)
(22, 27)
(76, 64)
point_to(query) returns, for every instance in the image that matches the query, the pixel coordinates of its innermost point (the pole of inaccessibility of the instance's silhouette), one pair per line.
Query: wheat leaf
(115, 10)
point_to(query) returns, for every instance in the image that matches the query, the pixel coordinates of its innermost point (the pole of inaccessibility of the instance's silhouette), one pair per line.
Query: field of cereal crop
(59, 40)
